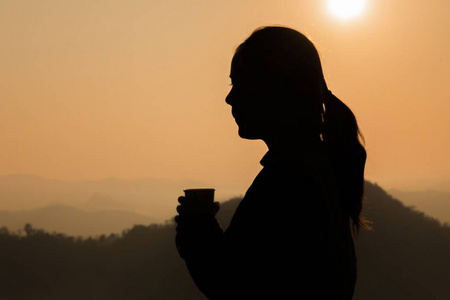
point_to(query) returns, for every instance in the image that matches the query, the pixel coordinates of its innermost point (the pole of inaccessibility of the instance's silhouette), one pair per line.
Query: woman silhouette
(291, 236)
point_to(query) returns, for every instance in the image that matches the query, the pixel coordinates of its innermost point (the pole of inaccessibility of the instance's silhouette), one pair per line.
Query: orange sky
(94, 89)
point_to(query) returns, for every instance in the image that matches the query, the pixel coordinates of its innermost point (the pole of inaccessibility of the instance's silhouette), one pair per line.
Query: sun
(346, 9)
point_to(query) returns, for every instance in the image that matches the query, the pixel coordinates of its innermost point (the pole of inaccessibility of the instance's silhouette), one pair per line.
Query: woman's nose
(229, 98)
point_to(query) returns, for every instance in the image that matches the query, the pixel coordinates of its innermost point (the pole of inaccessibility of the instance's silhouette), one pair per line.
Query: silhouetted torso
(287, 239)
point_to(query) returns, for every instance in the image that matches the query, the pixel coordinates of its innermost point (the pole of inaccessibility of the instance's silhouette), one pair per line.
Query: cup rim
(199, 189)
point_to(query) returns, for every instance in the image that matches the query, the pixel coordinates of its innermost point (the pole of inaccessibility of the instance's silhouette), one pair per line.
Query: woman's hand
(193, 220)
(191, 208)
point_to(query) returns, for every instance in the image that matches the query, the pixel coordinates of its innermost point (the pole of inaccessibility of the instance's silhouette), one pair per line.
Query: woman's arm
(199, 242)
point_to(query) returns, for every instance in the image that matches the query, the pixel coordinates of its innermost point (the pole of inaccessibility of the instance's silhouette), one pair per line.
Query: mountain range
(92, 208)
(153, 197)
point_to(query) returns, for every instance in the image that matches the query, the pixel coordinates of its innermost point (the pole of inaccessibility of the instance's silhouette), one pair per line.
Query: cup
(200, 197)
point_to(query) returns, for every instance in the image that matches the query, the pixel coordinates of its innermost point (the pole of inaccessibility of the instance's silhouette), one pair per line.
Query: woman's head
(279, 91)
(277, 84)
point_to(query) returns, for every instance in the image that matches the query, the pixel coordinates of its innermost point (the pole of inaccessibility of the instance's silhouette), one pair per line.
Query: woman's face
(251, 101)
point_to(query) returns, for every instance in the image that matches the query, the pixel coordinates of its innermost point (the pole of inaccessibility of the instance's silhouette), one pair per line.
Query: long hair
(280, 54)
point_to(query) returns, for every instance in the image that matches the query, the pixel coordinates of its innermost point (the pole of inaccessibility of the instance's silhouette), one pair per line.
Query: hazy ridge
(73, 221)
(90, 208)
(152, 197)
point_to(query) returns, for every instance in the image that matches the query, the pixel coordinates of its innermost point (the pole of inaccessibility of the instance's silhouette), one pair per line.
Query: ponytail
(342, 139)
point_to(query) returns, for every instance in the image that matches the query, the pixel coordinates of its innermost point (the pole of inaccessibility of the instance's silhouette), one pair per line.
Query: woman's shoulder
(277, 184)
(301, 170)
(285, 176)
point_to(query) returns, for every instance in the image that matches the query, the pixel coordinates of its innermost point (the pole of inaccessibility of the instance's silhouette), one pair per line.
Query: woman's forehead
(238, 67)
(242, 66)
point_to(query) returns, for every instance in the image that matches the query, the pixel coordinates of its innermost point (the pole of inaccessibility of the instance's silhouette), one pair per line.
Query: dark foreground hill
(406, 256)
(432, 202)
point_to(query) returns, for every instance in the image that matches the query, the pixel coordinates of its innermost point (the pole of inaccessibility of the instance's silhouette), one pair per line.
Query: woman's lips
(236, 114)
(239, 116)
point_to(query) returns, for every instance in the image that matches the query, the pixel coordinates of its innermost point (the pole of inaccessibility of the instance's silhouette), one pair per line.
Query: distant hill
(73, 221)
(152, 197)
(432, 202)
(405, 256)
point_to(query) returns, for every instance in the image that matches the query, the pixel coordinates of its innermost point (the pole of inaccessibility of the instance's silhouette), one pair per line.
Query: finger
(216, 207)
(182, 199)
(184, 209)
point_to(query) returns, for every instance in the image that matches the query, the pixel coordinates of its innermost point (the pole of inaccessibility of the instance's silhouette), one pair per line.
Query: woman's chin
(246, 132)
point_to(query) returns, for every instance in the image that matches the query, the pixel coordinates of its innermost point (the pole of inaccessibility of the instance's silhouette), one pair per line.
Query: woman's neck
(280, 143)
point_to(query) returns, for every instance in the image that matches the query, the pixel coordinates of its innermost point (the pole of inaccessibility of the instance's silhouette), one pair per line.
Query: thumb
(216, 207)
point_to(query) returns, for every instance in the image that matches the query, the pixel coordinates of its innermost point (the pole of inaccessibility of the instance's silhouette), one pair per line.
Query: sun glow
(346, 9)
